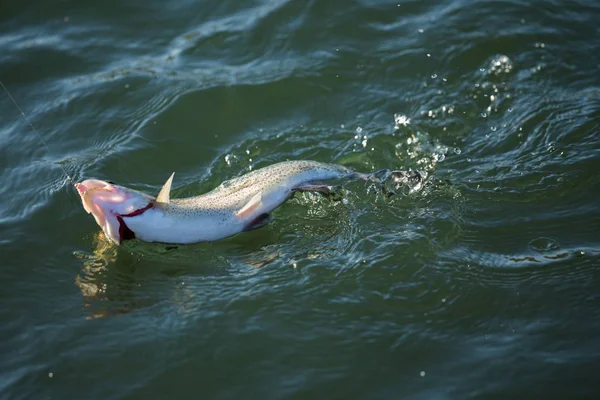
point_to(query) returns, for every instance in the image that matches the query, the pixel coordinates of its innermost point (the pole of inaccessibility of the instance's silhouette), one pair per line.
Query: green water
(482, 285)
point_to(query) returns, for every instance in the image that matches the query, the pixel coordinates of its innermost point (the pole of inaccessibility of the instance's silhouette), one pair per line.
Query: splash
(400, 120)
(500, 65)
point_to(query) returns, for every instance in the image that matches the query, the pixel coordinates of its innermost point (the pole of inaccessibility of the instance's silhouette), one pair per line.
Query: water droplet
(500, 65)
(543, 244)
(400, 119)
(439, 157)
(484, 115)
(422, 374)
(50, 375)
(457, 150)
(428, 55)
(421, 30)
(493, 128)
(433, 76)
(359, 130)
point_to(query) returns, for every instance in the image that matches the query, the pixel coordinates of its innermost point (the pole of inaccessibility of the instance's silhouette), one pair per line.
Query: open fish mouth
(81, 188)
(110, 204)
(89, 184)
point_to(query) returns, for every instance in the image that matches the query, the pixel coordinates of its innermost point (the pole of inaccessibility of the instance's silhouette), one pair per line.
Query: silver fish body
(237, 205)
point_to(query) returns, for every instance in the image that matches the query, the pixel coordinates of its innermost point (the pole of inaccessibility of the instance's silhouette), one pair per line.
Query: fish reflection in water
(103, 294)
(114, 280)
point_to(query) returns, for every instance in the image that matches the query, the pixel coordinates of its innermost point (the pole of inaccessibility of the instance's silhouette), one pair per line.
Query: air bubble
(500, 65)
(543, 244)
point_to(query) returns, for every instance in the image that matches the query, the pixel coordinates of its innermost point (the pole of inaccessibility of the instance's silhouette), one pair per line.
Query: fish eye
(111, 182)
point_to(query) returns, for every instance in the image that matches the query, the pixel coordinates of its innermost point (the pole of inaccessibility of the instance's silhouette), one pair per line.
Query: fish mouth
(89, 184)
(111, 205)
(87, 188)
(88, 205)
(81, 189)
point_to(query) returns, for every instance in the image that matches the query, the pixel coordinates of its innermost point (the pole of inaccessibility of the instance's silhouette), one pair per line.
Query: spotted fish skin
(285, 176)
(232, 207)
(236, 205)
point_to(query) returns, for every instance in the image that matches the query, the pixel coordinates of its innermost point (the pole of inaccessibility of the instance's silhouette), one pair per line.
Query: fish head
(110, 203)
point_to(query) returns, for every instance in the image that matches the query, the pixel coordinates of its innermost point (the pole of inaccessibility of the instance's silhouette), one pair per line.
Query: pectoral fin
(163, 195)
(250, 206)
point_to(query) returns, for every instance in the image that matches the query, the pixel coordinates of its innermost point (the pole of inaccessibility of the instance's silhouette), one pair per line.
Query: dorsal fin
(163, 195)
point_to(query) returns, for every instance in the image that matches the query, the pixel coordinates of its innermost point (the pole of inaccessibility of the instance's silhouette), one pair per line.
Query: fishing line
(36, 131)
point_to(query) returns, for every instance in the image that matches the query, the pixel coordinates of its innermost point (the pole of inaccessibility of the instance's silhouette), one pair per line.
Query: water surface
(483, 284)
